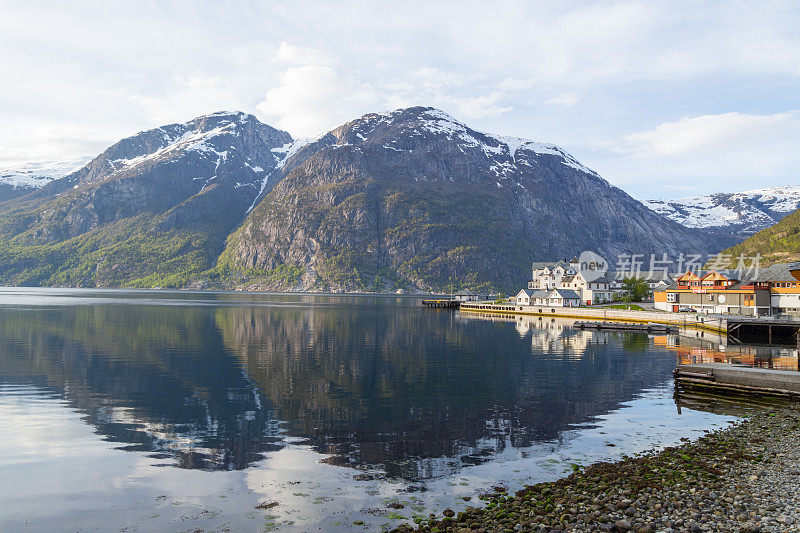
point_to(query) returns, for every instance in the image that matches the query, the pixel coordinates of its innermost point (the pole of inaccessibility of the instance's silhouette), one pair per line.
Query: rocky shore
(743, 478)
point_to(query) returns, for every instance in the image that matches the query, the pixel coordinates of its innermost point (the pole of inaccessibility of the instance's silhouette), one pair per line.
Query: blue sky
(664, 99)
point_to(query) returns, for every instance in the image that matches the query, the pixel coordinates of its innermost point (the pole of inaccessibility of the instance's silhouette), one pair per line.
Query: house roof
(539, 294)
(567, 278)
(722, 273)
(601, 279)
(777, 272)
(566, 294)
(538, 265)
(524, 291)
(648, 275)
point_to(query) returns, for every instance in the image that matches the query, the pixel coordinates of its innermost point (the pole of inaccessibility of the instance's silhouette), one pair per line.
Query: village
(772, 291)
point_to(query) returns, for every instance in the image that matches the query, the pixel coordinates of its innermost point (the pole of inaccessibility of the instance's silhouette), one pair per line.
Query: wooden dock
(441, 304)
(625, 326)
(733, 379)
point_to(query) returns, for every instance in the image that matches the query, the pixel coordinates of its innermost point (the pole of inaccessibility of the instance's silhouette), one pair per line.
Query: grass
(624, 307)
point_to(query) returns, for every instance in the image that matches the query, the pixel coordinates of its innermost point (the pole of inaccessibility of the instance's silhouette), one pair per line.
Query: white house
(467, 296)
(545, 276)
(524, 297)
(563, 298)
(596, 291)
(529, 297)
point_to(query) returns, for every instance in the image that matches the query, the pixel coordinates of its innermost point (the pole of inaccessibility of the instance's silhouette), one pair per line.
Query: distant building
(468, 296)
(715, 292)
(529, 297)
(784, 287)
(562, 298)
(567, 276)
(546, 276)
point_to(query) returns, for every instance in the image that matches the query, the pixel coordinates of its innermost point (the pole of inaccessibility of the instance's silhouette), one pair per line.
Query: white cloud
(432, 78)
(82, 78)
(514, 84)
(312, 99)
(709, 153)
(565, 99)
(720, 134)
(188, 97)
(300, 55)
(481, 106)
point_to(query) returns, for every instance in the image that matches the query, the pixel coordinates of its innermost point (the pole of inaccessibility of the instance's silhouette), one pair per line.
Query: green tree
(636, 289)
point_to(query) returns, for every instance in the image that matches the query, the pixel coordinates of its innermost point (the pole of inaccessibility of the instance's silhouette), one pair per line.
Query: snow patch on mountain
(35, 175)
(745, 212)
(191, 140)
(283, 153)
(438, 121)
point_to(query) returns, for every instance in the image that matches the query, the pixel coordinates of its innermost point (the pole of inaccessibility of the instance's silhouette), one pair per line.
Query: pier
(441, 304)
(733, 379)
(602, 315)
(626, 326)
(738, 328)
(769, 330)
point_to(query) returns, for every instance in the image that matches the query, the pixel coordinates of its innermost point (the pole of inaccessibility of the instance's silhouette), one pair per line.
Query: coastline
(742, 478)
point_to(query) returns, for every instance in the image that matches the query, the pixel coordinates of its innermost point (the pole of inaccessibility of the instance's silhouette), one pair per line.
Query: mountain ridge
(410, 199)
(490, 198)
(745, 212)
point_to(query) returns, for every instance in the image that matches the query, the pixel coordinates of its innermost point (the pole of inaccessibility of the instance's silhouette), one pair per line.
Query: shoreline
(742, 478)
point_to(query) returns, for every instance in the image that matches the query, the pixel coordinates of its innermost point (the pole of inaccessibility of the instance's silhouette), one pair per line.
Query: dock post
(770, 333)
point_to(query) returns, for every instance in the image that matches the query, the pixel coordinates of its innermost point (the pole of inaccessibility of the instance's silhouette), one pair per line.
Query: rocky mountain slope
(410, 199)
(414, 198)
(741, 213)
(19, 180)
(778, 243)
(147, 211)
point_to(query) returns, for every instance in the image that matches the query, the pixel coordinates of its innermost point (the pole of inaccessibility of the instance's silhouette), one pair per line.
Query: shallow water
(158, 410)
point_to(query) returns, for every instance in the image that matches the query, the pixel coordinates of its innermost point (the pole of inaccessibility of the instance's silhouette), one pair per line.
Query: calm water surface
(156, 410)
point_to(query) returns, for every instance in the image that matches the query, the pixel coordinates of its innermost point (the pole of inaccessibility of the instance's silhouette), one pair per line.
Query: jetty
(738, 328)
(734, 379)
(649, 327)
(441, 304)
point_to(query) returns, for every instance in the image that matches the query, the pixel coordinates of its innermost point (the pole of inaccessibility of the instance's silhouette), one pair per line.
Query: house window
(672, 297)
(710, 297)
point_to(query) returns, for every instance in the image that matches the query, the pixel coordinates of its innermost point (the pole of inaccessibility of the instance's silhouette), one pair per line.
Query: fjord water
(163, 410)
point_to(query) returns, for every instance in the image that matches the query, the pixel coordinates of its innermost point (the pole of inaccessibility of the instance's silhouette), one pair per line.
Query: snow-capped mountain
(415, 198)
(408, 199)
(21, 179)
(743, 213)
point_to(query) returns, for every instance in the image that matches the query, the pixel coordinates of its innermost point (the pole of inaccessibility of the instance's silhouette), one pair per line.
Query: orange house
(714, 292)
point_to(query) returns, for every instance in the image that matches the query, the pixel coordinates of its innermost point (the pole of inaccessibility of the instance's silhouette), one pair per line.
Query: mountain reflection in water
(219, 380)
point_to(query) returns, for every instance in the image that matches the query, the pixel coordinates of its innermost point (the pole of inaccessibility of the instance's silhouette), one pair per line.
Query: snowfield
(745, 212)
(35, 175)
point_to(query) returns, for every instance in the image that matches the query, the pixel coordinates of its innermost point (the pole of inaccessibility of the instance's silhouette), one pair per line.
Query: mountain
(148, 211)
(741, 213)
(19, 180)
(410, 199)
(778, 243)
(414, 198)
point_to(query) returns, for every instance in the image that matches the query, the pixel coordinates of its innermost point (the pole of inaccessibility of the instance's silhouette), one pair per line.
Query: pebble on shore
(743, 478)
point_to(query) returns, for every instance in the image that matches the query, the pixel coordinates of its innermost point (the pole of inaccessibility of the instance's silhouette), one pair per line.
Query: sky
(663, 99)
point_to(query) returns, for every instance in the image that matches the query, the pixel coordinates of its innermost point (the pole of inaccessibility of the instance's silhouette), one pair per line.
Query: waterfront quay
(688, 320)
(739, 329)
(733, 379)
